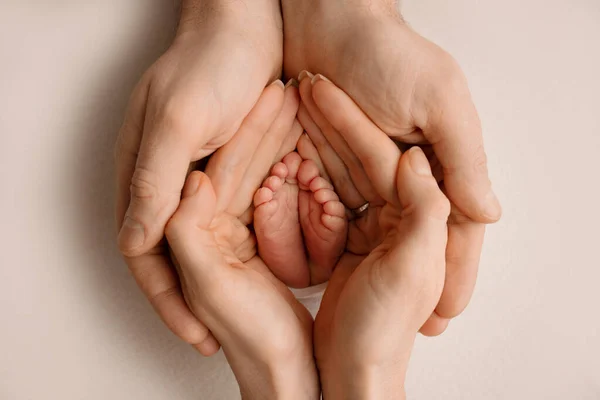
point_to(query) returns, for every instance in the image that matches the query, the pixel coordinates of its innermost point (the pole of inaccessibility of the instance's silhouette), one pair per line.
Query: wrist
(364, 383)
(285, 382)
(255, 24)
(373, 370)
(288, 378)
(266, 13)
(296, 8)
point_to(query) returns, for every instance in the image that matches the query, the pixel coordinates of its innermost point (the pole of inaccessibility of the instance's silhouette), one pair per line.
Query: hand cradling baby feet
(300, 223)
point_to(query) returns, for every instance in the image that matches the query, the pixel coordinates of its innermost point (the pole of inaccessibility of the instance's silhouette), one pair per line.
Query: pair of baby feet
(300, 223)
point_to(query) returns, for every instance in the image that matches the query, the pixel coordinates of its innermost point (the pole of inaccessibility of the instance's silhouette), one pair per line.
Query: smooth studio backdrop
(73, 324)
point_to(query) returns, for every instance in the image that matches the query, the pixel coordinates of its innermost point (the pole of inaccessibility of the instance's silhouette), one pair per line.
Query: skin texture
(197, 95)
(300, 223)
(416, 93)
(266, 334)
(377, 298)
(187, 105)
(382, 290)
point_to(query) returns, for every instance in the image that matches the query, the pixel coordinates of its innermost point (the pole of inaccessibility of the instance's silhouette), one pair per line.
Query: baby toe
(333, 223)
(262, 196)
(335, 209)
(322, 196)
(280, 170)
(292, 161)
(307, 172)
(319, 183)
(274, 183)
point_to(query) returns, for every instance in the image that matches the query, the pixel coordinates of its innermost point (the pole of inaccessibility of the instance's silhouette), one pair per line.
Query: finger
(337, 142)
(290, 142)
(264, 156)
(414, 267)
(126, 152)
(308, 151)
(377, 153)
(153, 271)
(335, 167)
(209, 346)
(434, 326)
(159, 282)
(418, 191)
(455, 132)
(227, 166)
(465, 241)
(194, 249)
(188, 231)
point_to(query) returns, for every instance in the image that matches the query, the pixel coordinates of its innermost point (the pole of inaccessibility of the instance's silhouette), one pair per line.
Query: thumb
(188, 231)
(416, 261)
(155, 190)
(458, 144)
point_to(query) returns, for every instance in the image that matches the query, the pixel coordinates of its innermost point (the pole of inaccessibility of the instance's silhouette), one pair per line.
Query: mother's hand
(329, 117)
(265, 332)
(378, 298)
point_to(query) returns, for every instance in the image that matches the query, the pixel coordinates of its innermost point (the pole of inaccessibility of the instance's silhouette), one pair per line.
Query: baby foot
(277, 224)
(323, 220)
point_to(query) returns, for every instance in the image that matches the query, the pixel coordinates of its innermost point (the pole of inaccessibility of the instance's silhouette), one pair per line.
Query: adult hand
(265, 332)
(416, 93)
(189, 103)
(378, 298)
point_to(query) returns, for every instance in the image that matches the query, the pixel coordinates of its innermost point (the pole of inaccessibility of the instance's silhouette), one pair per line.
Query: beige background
(73, 324)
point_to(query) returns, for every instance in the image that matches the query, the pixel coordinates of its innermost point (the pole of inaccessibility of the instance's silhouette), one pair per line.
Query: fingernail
(291, 82)
(278, 83)
(132, 234)
(493, 209)
(304, 74)
(418, 161)
(317, 78)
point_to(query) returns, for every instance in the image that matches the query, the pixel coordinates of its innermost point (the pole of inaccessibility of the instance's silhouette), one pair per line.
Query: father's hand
(416, 93)
(189, 103)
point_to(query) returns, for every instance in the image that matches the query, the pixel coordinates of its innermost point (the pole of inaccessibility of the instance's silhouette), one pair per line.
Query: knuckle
(190, 332)
(176, 226)
(449, 81)
(144, 184)
(178, 116)
(438, 206)
(450, 72)
(480, 160)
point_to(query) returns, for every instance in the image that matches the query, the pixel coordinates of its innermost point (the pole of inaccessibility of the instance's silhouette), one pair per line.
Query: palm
(247, 289)
(351, 289)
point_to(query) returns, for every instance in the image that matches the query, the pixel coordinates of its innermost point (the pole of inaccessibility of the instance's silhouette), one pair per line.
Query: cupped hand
(417, 94)
(379, 298)
(265, 332)
(188, 104)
